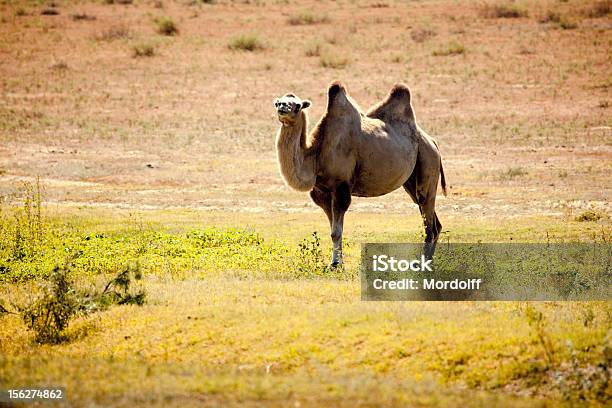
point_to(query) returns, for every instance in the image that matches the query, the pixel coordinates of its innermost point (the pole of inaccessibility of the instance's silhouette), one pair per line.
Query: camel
(351, 153)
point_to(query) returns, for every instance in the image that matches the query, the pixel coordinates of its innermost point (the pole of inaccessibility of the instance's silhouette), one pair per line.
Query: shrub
(512, 173)
(311, 260)
(589, 216)
(600, 9)
(307, 18)
(421, 34)
(82, 16)
(246, 42)
(49, 12)
(567, 24)
(331, 59)
(551, 17)
(50, 314)
(143, 50)
(452, 48)
(505, 10)
(20, 12)
(166, 26)
(313, 48)
(114, 33)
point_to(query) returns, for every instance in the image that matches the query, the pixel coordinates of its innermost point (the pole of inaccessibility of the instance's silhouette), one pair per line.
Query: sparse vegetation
(246, 42)
(50, 314)
(504, 10)
(599, 9)
(512, 173)
(307, 18)
(116, 32)
(567, 24)
(82, 16)
(166, 165)
(59, 65)
(166, 26)
(421, 34)
(49, 12)
(331, 58)
(143, 49)
(452, 48)
(590, 216)
(313, 48)
(551, 16)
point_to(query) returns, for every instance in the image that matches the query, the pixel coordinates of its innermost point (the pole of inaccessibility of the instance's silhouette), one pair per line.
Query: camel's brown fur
(349, 153)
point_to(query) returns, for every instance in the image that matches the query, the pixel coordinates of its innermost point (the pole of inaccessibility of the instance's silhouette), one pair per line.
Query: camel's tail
(442, 179)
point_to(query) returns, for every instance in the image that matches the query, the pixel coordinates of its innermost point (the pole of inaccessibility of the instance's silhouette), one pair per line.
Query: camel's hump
(334, 89)
(400, 91)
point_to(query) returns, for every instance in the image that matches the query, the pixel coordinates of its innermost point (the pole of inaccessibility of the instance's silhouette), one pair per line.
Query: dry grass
(333, 58)
(452, 48)
(504, 10)
(115, 32)
(166, 26)
(188, 140)
(143, 49)
(599, 9)
(246, 42)
(421, 34)
(307, 18)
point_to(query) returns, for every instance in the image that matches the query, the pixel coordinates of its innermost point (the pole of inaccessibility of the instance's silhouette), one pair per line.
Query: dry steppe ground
(521, 108)
(162, 112)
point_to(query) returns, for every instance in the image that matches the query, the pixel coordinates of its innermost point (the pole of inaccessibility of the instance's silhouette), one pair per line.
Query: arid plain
(150, 116)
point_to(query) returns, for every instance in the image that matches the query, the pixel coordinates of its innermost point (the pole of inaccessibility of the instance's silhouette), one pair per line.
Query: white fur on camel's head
(289, 106)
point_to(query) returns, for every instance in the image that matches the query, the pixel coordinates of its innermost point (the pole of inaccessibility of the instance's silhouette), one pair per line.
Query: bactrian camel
(349, 153)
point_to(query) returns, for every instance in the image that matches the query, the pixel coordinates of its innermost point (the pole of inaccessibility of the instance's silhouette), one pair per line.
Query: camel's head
(288, 107)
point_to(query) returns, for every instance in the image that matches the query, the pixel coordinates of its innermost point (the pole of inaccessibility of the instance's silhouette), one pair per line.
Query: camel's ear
(305, 103)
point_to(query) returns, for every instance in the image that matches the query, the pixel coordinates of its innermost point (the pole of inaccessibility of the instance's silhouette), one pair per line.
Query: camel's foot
(335, 264)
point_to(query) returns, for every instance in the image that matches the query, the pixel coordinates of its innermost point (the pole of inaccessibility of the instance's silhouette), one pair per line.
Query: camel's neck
(296, 162)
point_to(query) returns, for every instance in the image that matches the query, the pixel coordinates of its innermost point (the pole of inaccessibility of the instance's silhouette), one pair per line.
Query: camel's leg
(323, 199)
(422, 187)
(433, 227)
(341, 200)
(410, 187)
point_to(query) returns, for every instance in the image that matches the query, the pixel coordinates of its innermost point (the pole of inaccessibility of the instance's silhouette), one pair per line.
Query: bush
(311, 260)
(506, 10)
(452, 48)
(421, 34)
(143, 50)
(246, 42)
(166, 26)
(551, 17)
(512, 173)
(307, 18)
(589, 216)
(600, 9)
(50, 314)
(567, 24)
(331, 59)
(113, 33)
(313, 48)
